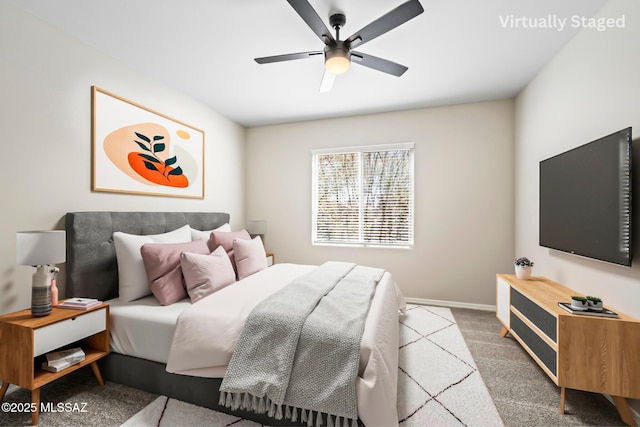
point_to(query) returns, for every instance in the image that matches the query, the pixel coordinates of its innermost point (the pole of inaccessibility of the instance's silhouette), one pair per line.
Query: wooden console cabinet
(589, 353)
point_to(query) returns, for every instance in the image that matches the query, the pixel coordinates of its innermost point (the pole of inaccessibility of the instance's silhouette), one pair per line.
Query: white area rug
(438, 382)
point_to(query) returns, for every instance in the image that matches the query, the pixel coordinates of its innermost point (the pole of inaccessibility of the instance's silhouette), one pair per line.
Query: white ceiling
(457, 51)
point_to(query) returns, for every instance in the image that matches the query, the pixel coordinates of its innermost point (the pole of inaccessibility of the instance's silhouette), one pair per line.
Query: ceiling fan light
(337, 59)
(337, 64)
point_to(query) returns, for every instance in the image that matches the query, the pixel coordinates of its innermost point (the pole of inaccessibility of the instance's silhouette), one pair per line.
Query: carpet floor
(519, 390)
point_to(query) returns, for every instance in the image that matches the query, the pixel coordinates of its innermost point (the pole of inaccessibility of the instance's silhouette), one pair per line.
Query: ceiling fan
(338, 54)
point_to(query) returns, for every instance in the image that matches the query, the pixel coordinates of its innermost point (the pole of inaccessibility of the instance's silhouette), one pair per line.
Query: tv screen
(585, 200)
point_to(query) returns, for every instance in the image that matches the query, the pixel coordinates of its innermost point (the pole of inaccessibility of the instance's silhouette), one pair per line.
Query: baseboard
(632, 403)
(454, 304)
(634, 412)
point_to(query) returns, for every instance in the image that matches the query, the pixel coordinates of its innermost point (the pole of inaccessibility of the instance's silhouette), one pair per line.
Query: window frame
(410, 146)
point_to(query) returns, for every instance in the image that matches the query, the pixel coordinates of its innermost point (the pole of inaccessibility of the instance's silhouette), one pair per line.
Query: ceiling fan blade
(327, 81)
(310, 16)
(288, 57)
(378, 63)
(387, 22)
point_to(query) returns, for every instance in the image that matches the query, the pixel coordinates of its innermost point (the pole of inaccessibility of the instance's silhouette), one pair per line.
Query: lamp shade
(337, 58)
(257, 227)
(337, 64)
(40, 247)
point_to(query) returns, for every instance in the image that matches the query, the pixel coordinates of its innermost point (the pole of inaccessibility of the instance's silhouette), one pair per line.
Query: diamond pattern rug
(438, 382)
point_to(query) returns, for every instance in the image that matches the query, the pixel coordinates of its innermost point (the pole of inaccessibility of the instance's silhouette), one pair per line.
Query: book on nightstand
(59, 360)
(80, 303)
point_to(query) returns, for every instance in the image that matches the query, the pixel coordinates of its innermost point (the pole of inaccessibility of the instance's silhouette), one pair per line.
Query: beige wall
(463, 186)
(45, 113)
(589, 90)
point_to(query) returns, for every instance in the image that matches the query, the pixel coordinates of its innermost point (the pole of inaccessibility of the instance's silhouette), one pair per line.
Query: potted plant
(595, 303)
(579, 303)
(523, 268)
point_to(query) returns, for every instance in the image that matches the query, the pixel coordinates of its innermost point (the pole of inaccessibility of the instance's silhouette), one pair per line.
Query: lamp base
(41, 302)
(41, 291)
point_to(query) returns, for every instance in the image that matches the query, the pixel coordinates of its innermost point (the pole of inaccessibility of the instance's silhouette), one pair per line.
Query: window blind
(363, 196)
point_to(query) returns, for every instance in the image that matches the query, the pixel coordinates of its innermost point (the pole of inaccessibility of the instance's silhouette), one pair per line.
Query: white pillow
(132, 277)
(205, 235)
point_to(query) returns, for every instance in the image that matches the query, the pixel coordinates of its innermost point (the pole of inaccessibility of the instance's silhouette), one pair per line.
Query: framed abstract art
(137, 150)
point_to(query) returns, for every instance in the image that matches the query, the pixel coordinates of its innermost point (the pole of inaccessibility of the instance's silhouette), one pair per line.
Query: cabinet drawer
(537, 315)
(546, 354)
(68, 331)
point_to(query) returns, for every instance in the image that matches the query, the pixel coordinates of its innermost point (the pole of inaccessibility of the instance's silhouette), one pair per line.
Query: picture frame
(136, 150)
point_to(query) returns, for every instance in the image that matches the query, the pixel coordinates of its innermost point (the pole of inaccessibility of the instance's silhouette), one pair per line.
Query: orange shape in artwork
(163, 177)
(183, 134)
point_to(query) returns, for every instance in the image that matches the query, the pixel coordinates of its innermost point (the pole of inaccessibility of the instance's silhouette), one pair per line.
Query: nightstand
(271, 259)
(24, 340)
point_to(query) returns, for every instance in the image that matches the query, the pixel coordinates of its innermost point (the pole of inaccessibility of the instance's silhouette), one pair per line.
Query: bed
(142, 331)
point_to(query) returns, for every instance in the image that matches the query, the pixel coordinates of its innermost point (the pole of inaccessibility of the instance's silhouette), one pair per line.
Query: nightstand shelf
(42, 377)
(24, 340)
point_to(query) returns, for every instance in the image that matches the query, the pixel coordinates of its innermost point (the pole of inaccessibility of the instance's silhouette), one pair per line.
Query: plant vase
(579, 303)
(523, 272)
(595, 303)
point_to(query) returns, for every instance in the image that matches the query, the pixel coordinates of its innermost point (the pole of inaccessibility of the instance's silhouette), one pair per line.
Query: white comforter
(206, 334)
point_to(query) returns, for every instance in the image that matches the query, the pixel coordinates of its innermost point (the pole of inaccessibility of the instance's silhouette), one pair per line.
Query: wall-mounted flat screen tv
(585, 200)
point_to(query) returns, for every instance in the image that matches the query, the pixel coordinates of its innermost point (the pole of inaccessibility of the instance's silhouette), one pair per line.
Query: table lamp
(41, 249)
(257, 228)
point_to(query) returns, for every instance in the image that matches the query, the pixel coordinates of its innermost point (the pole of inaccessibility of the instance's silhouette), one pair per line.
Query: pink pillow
(206, 274)
(250, 256)
(225, 239)
(162, 263)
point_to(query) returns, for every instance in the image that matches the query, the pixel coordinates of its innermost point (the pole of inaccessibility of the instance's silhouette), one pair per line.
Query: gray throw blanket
(300, 348)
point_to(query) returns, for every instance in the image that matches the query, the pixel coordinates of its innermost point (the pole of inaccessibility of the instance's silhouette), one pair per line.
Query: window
(363, 195)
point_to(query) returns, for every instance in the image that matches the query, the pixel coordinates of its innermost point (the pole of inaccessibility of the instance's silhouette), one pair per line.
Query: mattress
(143, 328)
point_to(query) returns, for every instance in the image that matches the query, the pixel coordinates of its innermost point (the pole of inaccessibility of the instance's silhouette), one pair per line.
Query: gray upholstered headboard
(92, 269)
